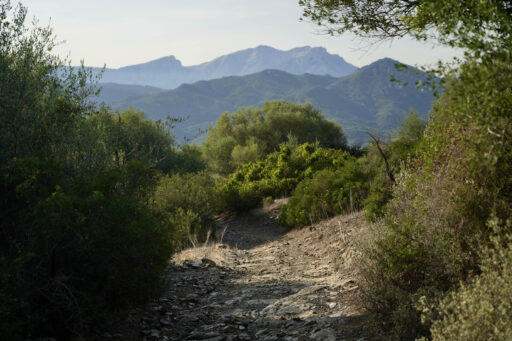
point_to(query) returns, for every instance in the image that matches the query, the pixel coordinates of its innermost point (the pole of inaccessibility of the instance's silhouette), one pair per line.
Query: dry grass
(214, 251)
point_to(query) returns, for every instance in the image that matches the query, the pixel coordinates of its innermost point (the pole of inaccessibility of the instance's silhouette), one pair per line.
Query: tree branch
(388, 170)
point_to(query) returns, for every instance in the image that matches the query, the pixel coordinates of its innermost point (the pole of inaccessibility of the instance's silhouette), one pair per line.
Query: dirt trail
(261, 283)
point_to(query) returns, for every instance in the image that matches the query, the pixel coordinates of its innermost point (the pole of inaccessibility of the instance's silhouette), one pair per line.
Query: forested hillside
(366, 100)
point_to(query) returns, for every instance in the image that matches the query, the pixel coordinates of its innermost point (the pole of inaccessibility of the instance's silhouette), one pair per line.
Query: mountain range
(366, 100)
(169, 73)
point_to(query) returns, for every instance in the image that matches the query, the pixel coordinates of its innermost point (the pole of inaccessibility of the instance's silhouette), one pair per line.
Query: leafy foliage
(480, 309)
(37, 93)
(249, 134)
(130, 136)
(480, 26)
(188, 202)
(398, 152)
(277, 175)
(328, 193)
(80, 236)
(459, 182)
(437, 222)
(73, 249)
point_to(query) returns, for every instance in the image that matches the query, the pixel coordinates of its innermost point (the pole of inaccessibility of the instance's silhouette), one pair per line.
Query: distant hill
(113, 92)
(169, 73)
(364, 101)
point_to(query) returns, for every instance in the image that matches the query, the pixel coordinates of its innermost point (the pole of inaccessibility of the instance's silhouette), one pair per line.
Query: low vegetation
(188, 202)
(326, 194)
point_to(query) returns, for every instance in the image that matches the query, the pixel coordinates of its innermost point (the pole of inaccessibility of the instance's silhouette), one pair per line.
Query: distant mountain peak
(162, 62)
(168, 72)
(366, 100)
(166, 60)
(262, 47)
(384, 61)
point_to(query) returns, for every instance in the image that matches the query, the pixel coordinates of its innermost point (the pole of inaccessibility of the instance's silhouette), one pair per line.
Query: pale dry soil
(262, 282)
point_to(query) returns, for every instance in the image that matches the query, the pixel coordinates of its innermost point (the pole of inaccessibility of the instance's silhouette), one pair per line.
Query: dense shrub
(380, 193)
(251, 133)
(187, 159)
(327, 193)
(188, 202)
(79, 235)
(71, 249)
(128, 136)
(438, 218)
(459, 184)
(398, 153)
(482, 308)
(277, 175)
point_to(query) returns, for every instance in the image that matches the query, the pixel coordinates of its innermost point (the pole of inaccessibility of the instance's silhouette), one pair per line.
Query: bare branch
(388, 169)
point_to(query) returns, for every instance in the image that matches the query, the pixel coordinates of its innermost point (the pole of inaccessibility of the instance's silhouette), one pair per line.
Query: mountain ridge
(168, 72)
(364, 101)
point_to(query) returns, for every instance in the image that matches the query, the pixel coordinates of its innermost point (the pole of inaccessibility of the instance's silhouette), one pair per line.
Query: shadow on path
(248, 230)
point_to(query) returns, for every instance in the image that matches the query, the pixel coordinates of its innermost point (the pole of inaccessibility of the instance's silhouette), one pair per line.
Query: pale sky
(125, 32)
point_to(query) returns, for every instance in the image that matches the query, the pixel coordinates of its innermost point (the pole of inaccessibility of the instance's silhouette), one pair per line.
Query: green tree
(482, 27)
(78, 238)
(251, 133)
(130, 136)
(398, 153)
(37, 91)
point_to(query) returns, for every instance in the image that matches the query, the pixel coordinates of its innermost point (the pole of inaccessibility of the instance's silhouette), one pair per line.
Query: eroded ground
(261, 283)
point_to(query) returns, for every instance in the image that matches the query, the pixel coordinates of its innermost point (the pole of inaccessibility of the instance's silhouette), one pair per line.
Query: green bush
(436, 223)
(482, 308)
(80, 237)
(399, 151)
(277, 175)
(380, 193)
(249, 134)
(187, 159)
(188, 203)
(328, 193)
(74, 249)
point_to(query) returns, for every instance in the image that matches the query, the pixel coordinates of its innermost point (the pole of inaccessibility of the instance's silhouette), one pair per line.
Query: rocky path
(260, 283)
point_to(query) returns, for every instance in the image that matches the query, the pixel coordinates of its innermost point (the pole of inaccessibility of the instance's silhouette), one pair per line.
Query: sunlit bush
(328, 193)
(437, 222)
(277, 175)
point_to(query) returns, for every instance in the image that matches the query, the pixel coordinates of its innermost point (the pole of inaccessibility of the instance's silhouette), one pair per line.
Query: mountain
(169, 73)
(113, 92)
(364, 101)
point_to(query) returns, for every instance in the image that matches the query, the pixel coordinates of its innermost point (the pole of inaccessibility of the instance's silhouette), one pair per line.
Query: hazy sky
(125, 32)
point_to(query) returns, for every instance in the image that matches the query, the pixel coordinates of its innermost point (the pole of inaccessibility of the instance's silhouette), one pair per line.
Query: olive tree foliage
(250, 134)
(38, 92)
(129, 135)
(78, 237)
(477, 26)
